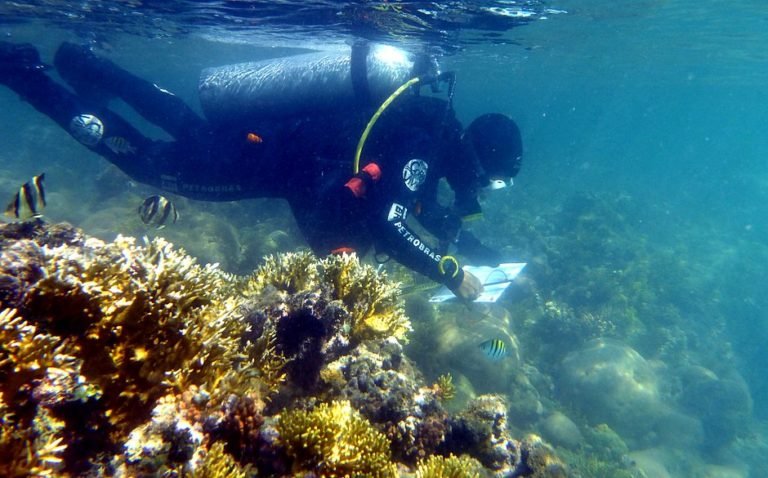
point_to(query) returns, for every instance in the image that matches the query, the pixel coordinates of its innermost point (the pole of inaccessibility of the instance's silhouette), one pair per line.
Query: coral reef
(106, 330)
(437, 466)
(335, 440)
(541, 460)
(481, 432)
(219, 464)
(373, 303)
(444, 387)
(131, 359)
(385, 387)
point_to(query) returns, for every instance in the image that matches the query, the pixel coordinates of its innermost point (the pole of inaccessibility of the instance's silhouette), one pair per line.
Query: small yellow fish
(29, 201)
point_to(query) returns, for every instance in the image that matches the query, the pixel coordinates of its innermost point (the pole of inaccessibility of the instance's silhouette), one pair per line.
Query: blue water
(659, 106)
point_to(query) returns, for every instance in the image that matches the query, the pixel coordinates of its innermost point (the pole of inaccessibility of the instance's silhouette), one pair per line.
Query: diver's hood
(308, 83)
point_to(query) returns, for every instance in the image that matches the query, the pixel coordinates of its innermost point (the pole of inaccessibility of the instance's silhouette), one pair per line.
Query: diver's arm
(395, 238)
(446, 226)
(440, 222)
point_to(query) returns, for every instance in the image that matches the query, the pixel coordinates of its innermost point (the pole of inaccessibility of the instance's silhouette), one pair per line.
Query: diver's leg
(85, 71)
(329, 216)
(100, 130)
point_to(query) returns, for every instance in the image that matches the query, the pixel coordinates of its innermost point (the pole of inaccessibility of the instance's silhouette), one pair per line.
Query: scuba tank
(362, 75)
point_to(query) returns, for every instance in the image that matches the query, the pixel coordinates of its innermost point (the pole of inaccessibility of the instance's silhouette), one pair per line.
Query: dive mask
(498, 183)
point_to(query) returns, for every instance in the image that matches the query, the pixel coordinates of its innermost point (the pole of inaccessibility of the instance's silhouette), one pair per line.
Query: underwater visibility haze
(633, 343)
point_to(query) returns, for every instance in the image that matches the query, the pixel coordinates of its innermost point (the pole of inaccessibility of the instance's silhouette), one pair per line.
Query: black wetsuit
(307, 160)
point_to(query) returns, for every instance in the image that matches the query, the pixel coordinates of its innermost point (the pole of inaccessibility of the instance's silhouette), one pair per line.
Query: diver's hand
(470, 287)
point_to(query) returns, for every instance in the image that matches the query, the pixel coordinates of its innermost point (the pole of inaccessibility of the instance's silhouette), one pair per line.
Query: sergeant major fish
(494, 349)
(158, 211)
(119, 145)
(29, 200)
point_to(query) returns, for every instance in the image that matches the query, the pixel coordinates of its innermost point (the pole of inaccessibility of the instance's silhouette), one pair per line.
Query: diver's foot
(19, 58)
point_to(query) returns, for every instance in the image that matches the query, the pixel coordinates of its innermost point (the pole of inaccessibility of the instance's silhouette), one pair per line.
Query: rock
(610, 382)
(651, 462)
(679, 430)
(560, 430)
(724, 405)
(720, 471)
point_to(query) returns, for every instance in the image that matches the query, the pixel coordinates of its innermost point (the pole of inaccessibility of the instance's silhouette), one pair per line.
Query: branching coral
(218, 464)
(444, 387)
(33, 449)
(375, 309)
(30, 442)
(372, 300)
(437, 466)
(334, 440)
(133, 359)
(144, 318)
(102, 334)
(291, 272)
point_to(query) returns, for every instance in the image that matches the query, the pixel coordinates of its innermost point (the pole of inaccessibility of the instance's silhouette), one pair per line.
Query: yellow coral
(373, 302)
(123, 324)
(334, 440)
(145, 318)
(290, 272)
(451, 467)
(29, 443)
(33, 450)
(26, 354)
(219, 464)
(261, 369)
(445, 389)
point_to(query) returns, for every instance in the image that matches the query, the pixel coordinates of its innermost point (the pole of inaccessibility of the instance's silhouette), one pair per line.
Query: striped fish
(494, 349)
(29, 201)
(119, 145)
(158, 211)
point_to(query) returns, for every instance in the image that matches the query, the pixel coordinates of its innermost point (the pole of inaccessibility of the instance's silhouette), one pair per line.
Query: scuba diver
(354, 170)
